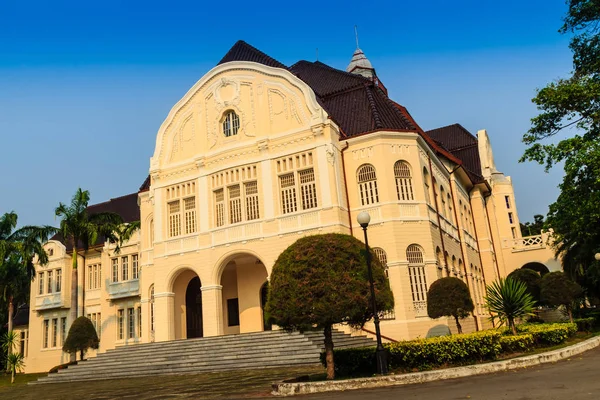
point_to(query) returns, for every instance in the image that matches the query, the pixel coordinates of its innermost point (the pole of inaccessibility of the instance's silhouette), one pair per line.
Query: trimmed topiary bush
(449, 297)
(322, 280)
(559, 290)
(517, 343)
(81, 337)
(530, 278)
(429, 353)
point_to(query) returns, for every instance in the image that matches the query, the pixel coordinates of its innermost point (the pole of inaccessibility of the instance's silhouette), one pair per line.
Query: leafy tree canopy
(82, 336)
(574, 102)
(530, 278)
(558, 290)
(449, 297)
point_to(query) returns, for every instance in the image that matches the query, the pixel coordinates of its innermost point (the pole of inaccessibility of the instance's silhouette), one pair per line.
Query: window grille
(288, 193)
(130, 323)
(382, 257)
(115, 269)
(308, 188)
(367, 185)
(231, 124)
(252, 205)
(125, 268)
(58, 280)
(90, 277)
(174, 218)
(152, 310)
(416, 274)
(139, 321)
(54, 332)
(63, 329)
(219, 208)
(189, 207)
(41, 283)
(235, 204)
(135, 271)
(96, 267)
(120, 322)
(403, 181)
(49, 273)
(450, 211)
(443, 200)
(46, 333)
(427, 185)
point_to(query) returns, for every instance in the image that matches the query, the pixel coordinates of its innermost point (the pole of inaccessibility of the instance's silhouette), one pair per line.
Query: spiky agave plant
(8, 342)
(508, 299)
(16, 363)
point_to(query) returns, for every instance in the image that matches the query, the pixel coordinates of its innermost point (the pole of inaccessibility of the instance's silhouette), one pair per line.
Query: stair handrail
(383, 336)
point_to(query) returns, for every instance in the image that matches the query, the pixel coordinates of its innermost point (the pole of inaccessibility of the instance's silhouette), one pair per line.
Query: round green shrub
(449, 297)
(82, 336)
(530, 278)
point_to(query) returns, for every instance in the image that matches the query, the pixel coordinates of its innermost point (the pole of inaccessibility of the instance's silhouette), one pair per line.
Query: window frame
(368, 192)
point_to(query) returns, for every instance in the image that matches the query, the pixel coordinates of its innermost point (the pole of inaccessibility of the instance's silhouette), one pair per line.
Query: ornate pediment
(233, 105)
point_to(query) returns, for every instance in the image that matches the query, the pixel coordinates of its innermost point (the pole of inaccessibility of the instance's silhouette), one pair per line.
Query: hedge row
(423, 354)
(585, 324)
(548, 334)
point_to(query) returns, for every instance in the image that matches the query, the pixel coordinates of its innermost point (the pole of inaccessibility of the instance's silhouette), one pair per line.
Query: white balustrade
(420, 308)
(122, 289)
(48, 301)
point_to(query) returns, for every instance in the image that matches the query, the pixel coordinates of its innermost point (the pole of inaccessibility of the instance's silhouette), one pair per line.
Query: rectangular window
(54, 332)
(139, 321)
(233, 312)
(189, 206)
(50, 282)
(96, 276)
(219, 207)
(22, 344)
(308, 188)
(514, 232)
(135, 273)
(41, 283)
(99, 275)
(507, 200)
(63, 329)
(252, 206)
(235, 204)
(115, 269)
(125, 268)
(45, 334)
(58, 280)
(90, 277)
(120, 324)
(98, 325)
(174, 218)
(510, 218)
(130, 323)
(288, 193)
(418, 284)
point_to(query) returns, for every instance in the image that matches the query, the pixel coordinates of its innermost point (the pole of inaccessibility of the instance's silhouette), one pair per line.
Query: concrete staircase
(246, 351)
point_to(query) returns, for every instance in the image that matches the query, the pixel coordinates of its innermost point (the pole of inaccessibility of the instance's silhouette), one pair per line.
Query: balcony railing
(237, 233)
(117, 290)
(526, 243)
(48, 301)
(420, 308)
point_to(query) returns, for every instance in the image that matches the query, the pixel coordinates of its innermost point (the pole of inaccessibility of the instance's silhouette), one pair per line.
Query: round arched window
(231, 124)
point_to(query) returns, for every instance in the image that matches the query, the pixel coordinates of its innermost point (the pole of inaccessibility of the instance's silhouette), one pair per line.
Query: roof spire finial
(356, 35)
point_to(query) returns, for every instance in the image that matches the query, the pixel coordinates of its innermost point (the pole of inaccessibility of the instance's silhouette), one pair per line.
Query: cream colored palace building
(258, 154)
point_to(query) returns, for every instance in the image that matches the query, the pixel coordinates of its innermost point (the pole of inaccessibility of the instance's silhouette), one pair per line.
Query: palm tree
(9, 342)
(17, 251)
(15, 364)
(81, 230)
(508, 300)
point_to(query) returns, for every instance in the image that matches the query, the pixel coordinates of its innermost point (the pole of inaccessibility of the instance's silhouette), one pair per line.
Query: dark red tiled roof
(146, 185)
(21, 316)
(242, 51)
(463, 145)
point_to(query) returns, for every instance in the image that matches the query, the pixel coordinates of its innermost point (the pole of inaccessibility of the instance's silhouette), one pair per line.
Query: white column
(212, 310)
(324, 181)
(204, 195)
(158, 215)
(163, 309)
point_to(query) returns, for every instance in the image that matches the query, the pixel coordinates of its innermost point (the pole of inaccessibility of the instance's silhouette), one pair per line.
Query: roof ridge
(112, 199)
(242, 44)
(376, 116)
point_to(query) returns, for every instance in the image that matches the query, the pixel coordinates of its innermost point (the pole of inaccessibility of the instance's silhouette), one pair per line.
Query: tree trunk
(458, 324)
(81, 354)
(511, 325)
(11, 311)
(329, 353)
(74, 291)
(570, 314)
(12, 376)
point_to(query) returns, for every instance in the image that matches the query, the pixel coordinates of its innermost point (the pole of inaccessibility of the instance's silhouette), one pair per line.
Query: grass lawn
(217, 385)
(20, 379)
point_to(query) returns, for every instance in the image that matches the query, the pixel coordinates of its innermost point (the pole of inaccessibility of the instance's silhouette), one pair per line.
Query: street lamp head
(597, 256)
(363, 219)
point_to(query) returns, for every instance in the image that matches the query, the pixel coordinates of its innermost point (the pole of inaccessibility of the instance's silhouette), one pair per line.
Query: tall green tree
(571, 106)
(322, 280)
(558, 290)
(533, 228)
(18, 248)
(81, 229)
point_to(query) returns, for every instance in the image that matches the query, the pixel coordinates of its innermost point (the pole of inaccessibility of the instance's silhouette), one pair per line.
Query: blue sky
(84, 86)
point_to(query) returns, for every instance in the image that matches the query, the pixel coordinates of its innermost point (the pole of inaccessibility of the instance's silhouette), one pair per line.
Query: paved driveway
(574, 379)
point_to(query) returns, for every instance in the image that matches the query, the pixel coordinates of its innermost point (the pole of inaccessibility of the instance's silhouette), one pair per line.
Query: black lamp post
(363, 219)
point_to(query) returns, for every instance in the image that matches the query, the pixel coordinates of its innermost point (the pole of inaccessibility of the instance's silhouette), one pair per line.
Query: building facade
(258, 154)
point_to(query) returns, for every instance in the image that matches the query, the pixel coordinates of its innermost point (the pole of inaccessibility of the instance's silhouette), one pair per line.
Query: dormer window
(231, 124)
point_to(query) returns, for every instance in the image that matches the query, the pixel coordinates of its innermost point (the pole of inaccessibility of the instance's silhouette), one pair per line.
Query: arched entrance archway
(242, 278)
(537, 267)
(193, 309)
(187, 306)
